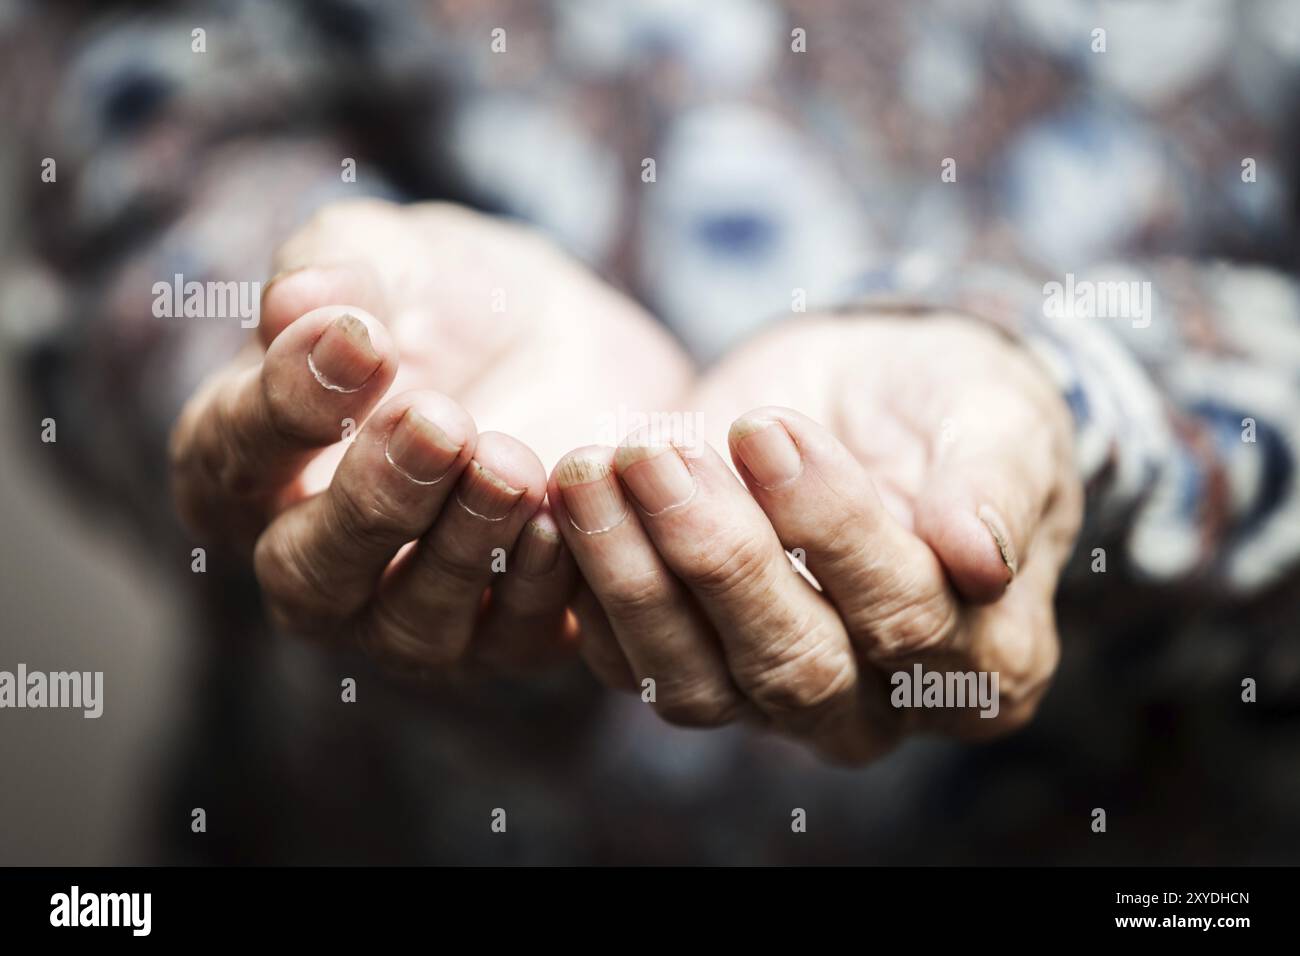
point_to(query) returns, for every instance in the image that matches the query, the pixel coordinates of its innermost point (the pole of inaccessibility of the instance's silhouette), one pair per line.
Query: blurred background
(815, 168)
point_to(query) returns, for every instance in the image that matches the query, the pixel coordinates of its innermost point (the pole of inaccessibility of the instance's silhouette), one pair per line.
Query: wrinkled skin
(920, 466)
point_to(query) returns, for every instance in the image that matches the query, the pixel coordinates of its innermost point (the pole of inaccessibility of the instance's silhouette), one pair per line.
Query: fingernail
(486, 496)
(343, 359)
(591, 494)
(538, 548)
(420, 450)
(1001, 537)
(768, 451)
(656, 476)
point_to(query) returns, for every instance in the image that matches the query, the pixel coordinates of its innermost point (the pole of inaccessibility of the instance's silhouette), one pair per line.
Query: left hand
(936, 504)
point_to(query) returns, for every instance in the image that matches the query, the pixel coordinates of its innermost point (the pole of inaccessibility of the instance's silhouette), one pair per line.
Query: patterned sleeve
(1184, 382)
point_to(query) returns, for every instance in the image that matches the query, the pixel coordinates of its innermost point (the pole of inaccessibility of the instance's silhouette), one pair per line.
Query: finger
(888, 586)
(661, 632)
(245, 437)
(429, 604)
(786, 647)
(307, 286)
(321, 560)
(597, 643)
(346, 253)
(1013, 653)
(527, 624)
(1014, 640)
(986, 492)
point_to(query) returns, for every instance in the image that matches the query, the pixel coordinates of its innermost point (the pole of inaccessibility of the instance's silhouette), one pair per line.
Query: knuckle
(720, 569)
(804, 676)
(456, 568)
(287, 581)
(634, 597)
(904, 628)
(845, 550)
(365, 518)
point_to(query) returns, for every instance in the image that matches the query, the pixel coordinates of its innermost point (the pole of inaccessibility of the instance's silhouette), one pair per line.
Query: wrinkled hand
(460, 317)
(928, 482)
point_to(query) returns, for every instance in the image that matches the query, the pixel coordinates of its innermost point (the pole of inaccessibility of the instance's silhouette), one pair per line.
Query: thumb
(980, 507)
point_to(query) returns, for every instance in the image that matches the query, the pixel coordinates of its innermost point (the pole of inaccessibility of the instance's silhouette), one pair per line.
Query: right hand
(373, 299)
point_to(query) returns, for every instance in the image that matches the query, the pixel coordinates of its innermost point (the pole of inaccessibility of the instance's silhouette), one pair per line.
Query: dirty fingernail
(420, 450)
(591, 493)
(539, 546)
(343, 358)
(486, 496)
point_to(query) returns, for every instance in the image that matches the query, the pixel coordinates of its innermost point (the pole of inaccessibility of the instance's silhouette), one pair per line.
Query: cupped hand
(926, 483)
(342, 449)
